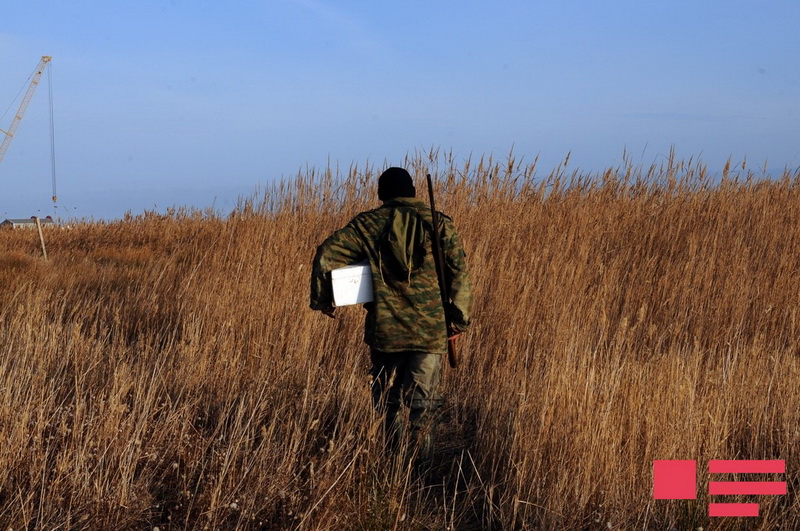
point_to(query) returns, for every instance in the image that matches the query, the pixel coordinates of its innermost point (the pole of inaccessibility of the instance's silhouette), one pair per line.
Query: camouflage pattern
(408, 379)
(407, 312)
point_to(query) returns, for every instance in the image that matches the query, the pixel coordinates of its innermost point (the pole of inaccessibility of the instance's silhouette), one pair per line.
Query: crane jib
(23, 106)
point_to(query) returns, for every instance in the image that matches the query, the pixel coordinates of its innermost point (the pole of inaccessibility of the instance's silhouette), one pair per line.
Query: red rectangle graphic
(747, 467)
(732, 509)
(747, 487)
(674, 480)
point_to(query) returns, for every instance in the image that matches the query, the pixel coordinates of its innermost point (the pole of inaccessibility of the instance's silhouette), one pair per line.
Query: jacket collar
(406, 201)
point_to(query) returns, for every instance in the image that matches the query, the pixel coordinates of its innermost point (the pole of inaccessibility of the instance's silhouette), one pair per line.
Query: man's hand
(330, 312)
(453, 333)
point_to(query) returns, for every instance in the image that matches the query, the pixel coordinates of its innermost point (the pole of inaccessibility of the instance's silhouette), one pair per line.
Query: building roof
(27, 221)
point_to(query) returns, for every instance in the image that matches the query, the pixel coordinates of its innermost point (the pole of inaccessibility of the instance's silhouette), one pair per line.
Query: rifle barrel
(438, 255)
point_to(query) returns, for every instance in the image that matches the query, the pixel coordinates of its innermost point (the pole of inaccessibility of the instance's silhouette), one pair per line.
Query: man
(405, 324)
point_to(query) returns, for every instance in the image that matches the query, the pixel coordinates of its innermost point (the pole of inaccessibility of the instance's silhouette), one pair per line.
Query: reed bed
(165, 371)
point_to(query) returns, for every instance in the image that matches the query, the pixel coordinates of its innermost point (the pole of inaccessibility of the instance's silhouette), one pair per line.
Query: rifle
(438, 257)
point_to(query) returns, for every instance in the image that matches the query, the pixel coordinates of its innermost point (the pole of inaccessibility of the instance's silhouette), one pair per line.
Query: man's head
(395, 182)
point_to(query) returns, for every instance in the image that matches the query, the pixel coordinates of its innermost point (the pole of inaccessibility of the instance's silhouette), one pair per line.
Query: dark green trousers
(408, 379)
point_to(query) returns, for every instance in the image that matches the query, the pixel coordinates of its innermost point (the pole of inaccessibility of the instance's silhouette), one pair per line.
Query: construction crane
(23, 106)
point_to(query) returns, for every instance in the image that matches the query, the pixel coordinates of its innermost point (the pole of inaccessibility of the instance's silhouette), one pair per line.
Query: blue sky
(161, 103)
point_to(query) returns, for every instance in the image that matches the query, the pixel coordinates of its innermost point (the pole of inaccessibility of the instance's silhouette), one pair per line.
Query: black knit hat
(395, 182)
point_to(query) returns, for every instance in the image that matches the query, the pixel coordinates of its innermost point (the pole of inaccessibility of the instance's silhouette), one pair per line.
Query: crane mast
(23, 106)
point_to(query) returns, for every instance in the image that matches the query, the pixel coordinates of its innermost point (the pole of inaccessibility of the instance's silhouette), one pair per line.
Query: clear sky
(174, 102)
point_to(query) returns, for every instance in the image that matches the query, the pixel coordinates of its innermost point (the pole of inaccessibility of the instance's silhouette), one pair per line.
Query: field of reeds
(165, 371)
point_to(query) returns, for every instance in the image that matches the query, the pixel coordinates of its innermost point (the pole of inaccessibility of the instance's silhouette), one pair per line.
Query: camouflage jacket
(396, 239)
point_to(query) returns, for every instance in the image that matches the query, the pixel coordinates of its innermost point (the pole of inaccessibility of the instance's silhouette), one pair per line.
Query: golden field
(165, 370)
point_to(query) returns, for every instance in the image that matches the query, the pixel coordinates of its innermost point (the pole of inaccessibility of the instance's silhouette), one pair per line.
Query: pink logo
(677, 480)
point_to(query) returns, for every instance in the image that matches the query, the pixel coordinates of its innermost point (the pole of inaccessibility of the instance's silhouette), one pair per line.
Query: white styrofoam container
(352, 284)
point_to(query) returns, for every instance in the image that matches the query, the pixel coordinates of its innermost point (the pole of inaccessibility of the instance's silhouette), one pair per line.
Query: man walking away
(405, 323)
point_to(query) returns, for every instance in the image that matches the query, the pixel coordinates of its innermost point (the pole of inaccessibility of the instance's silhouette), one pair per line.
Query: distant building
(26, 223)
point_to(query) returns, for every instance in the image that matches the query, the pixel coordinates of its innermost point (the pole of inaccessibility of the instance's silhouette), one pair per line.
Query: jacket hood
(403, 244)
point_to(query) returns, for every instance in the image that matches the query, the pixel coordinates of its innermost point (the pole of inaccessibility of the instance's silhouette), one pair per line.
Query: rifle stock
(438, 256)
(452, 352)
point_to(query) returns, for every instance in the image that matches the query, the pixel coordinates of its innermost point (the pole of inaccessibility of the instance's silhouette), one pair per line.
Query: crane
(23, 106)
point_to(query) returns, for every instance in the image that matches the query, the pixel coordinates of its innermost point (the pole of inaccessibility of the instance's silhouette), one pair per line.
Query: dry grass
(165, 371)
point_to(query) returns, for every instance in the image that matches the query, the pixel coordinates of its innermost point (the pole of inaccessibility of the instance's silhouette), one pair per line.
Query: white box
(352, 284)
